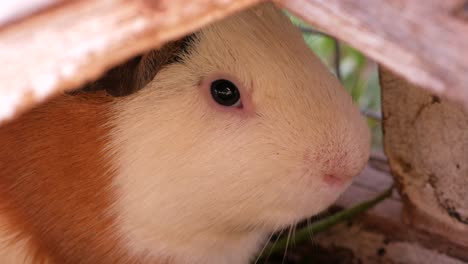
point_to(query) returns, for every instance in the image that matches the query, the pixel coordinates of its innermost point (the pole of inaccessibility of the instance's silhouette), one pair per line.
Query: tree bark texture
(426, 142)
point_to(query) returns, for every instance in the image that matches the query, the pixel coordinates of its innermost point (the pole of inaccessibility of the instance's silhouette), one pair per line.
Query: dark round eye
(225, 93)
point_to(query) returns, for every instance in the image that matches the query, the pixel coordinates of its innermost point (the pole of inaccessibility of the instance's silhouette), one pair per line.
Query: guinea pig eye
(225, 93)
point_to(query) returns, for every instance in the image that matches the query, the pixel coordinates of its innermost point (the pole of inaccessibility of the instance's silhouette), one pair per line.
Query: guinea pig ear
(137, 72)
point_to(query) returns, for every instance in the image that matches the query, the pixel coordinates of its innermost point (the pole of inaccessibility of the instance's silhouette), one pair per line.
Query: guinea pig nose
(337, 169)
(332, 179)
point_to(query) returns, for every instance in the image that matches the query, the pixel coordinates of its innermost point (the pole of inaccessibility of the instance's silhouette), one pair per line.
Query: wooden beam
(52, 45)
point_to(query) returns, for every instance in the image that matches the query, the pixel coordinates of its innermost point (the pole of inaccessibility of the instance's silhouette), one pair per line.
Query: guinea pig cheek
(245, 108)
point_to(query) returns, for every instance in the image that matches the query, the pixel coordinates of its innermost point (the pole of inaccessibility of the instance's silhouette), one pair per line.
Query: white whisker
(264, 247)
(274, 243)
(287, 244)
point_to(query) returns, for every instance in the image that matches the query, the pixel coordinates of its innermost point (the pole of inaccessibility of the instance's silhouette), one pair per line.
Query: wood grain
(53, 45)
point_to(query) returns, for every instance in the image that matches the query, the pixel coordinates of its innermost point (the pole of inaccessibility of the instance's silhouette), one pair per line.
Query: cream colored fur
(201, 185)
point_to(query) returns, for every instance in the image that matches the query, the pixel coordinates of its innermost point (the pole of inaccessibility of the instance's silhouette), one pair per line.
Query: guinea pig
(192, 153)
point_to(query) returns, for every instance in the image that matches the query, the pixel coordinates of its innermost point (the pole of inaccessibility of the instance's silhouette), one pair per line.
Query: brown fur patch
(55, 177)
(55, 181)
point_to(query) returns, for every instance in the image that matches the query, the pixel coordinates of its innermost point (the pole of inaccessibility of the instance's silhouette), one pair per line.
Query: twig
(372, 114)
(324, 224)
(337, 58)
(312, 31)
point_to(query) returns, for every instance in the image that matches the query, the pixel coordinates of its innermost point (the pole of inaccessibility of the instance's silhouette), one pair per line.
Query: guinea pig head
(244, 133)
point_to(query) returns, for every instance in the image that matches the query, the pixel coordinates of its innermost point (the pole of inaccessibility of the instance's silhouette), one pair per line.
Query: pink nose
(333, 180)
(336, 169)
(334, 166)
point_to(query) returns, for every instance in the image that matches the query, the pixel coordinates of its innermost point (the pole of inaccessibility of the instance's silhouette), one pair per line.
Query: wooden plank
(62, 44)
(425, 41)
(72, 42)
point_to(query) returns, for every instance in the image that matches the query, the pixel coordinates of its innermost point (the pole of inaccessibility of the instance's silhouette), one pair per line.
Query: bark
(426, 142)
